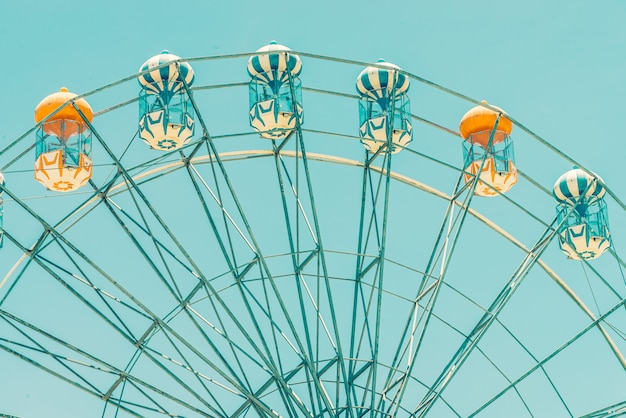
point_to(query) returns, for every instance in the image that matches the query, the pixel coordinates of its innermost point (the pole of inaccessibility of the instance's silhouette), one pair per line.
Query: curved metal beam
(247, 154)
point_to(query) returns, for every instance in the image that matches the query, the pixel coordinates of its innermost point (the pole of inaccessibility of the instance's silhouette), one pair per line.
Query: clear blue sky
(557, 67)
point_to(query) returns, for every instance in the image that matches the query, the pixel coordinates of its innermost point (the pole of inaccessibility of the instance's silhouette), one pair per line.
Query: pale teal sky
(533, 58)
(556, 67)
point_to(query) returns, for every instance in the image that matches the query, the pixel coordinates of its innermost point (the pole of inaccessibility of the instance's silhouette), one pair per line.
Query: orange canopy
(67, 121)
(479, 121)
(56, 100)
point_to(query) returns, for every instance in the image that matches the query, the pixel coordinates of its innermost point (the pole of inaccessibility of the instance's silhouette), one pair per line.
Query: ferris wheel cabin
(275, 91)
(63, 145)
(582, 215)
(488, 150)
(384, 108)
(1, 208)
(166, 115)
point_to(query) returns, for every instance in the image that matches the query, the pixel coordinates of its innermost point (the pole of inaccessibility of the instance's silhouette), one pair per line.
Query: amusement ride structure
(325, 251)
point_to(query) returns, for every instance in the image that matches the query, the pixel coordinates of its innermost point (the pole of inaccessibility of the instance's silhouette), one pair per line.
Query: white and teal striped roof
(576, 183)
(376, 83)
(275, 64)
(164, 78)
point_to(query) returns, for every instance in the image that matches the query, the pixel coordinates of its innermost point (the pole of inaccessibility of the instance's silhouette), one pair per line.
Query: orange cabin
(478, 123)
(66, 121)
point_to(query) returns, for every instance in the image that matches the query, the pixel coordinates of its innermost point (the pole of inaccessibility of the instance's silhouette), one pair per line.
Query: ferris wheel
(283, 234)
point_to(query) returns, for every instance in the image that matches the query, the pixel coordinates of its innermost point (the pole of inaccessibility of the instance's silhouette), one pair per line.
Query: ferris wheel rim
(327, 158)
(330, 159)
